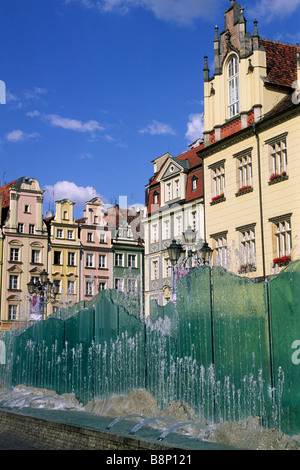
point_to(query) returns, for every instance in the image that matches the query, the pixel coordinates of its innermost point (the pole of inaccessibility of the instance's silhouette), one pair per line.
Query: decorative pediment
(172, 168)
(13, 298)
(15, 270)
(15, 243)
(35, 271)
(36, 245)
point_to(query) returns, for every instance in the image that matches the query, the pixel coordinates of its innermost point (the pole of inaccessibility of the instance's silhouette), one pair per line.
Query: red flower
(286, 259)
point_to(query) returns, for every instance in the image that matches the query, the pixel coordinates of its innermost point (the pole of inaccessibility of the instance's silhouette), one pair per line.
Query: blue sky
(96, 89)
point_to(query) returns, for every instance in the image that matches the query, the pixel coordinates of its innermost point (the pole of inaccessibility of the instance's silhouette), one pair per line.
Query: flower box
(244, 190)
(283, 261)
(217, 199)
(276, 177)
(247, 268)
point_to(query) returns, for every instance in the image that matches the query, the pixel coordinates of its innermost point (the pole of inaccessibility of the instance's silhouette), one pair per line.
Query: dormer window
(194, 183)
(233, 86)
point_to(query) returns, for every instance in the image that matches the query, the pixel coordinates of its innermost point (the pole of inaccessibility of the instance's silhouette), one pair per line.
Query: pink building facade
(24, 248)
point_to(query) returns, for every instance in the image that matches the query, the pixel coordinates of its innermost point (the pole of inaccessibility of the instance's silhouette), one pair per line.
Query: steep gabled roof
(5, 193)
(281, 62)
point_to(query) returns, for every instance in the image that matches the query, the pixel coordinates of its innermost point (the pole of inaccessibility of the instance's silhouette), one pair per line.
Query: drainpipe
(260, 200)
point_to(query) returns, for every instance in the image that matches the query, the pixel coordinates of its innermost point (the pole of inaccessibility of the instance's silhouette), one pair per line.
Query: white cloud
(178, 11)
(157, 128)
(19, 136)
(270, 9)
(73, 124)
(66, 123)
(69, 190)
(195, 127)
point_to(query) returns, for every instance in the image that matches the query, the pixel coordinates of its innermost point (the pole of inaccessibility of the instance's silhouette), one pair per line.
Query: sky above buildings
(96, 89)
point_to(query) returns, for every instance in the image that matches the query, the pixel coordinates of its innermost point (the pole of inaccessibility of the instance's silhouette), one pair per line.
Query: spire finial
(216, 33)
(255, 35)
(242, 18)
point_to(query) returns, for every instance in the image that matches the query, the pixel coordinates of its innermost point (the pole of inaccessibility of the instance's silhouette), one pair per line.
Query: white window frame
(13, 282)
(14, 254)
(119, 260)
(102, 261)
(132, 261)
(89, 260)
(12, 312)
(233, 86)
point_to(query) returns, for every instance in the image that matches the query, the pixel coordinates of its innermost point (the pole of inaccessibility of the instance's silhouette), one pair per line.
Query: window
(194, 220)
(57, 257)
(102, 238)
(89, 288)
(13, 281)
(154, 233)
(132, 261)
(155, 197)
(218, 180)
(102, 261)
(169, 191)
(35, 256)
(119, 284)
(244, 164)
(167, 268)
(119, 259)
(90, 237)
(178, 226)
(14, 254)
(177, 189)
(66, 215)
(70, 234)
(283, 237)
(89, 263)
(101, 286)
(220, 242)
(278, 157)
(247, 249)
(154, 271)
(20, 228)
(12, 312)
(194, 183)
(27, 209)
(59, 233)
(71, 287)
(132, 286)
(31, 229)
(71, 259)
(233, 87)
(166, 230)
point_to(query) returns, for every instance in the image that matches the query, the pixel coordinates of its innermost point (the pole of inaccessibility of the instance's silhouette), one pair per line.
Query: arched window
(233, 86)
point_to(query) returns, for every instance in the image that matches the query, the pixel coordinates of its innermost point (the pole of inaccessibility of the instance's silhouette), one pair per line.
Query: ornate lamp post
(45, 290)
(206, 252)
(174, 251)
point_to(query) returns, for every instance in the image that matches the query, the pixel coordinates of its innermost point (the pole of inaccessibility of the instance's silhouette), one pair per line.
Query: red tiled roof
(193, 160)
(281, 62)
(5, 193)
(192, 157)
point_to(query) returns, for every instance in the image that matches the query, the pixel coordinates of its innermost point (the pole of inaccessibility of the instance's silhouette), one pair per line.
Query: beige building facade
(251, 150)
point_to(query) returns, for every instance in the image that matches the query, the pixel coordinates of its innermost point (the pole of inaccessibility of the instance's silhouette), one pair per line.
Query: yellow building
(64, 254)
(251, 150)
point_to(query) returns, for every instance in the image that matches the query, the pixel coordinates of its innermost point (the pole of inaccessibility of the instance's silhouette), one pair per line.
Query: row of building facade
(102, 250)
(236, 188)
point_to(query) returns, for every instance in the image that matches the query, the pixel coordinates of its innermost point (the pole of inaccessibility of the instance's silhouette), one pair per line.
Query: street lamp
(206, 252)
(174, 251)
(44, 289)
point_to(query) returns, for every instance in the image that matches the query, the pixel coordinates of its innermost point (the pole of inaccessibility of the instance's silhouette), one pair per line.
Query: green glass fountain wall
(230, 348)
